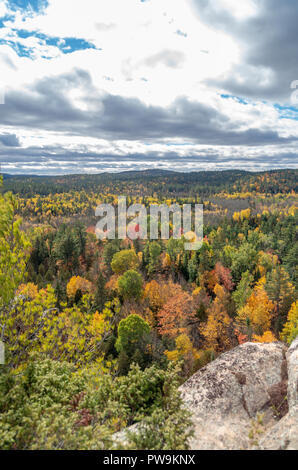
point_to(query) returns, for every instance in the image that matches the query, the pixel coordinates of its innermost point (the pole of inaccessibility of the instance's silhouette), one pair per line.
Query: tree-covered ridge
(160, 182)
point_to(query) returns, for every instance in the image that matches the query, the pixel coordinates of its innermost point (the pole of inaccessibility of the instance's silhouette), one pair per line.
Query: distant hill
(158, 181)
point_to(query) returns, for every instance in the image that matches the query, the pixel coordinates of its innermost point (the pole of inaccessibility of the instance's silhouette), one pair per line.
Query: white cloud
(140, 55)
(3, 8)
(130, 34)
(239, 9)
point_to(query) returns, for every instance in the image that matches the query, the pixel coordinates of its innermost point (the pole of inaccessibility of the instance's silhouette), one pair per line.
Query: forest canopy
(99, 334)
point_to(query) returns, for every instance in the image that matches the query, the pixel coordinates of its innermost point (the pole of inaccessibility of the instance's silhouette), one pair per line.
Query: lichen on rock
(231, 392)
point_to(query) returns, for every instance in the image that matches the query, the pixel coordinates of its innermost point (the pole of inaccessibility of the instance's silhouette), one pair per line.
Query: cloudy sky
(112, 85)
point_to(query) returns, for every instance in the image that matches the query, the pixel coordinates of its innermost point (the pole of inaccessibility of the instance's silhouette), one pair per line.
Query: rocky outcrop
(284, 435)
(245, 399)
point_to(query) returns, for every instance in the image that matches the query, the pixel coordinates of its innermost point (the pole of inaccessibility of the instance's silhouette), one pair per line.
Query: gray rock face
(292, 359)
(284, 435)
(237, 400)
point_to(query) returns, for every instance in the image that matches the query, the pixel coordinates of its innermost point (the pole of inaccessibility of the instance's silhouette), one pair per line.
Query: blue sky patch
(33, 5)
(287, 112)
(65, 45)
(21, 50)
(3, 19)
(236, 98)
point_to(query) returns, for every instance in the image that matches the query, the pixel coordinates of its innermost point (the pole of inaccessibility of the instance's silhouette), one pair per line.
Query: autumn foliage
(98, 334)
(178, 313)
(76, 284)
(258, 311)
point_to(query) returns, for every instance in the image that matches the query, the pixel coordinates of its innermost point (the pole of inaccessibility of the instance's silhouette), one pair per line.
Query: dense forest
(162, 182)
(99, 334)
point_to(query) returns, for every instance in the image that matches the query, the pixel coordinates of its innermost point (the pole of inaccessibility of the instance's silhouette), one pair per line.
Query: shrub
(51, 405)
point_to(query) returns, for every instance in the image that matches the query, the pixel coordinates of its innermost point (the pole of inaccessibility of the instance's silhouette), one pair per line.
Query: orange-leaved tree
(178, 314)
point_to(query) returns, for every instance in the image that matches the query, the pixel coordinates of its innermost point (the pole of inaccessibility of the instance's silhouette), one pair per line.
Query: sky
(90, 86)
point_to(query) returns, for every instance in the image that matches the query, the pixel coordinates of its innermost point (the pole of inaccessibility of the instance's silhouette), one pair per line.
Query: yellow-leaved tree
(217, 329)
(290, 331)
(184, 352)
(75, 334)
(184, 349)
(78, 283)
(257, 313)
(267, 337)
(14, 252)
